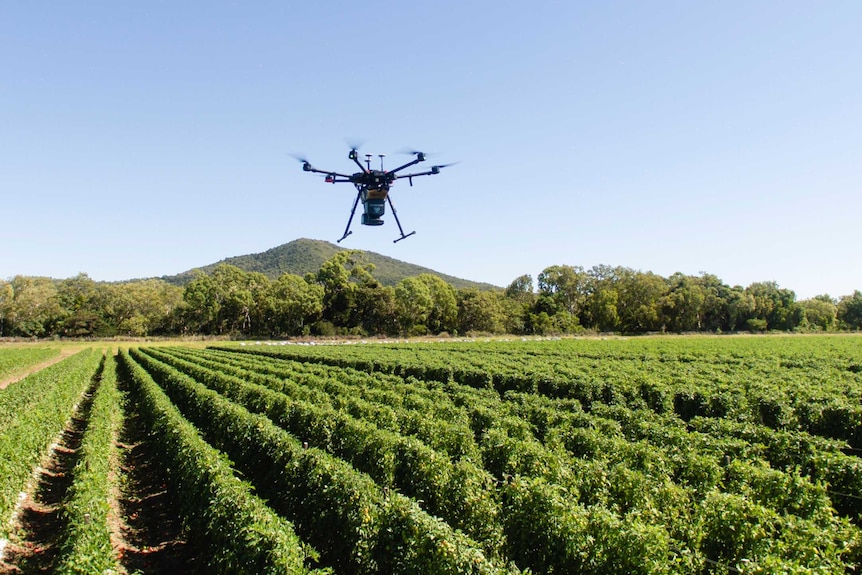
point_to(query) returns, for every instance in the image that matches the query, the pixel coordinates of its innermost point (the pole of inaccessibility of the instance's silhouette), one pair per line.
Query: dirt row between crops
(145, 530)
(39, 521)
(64, 353)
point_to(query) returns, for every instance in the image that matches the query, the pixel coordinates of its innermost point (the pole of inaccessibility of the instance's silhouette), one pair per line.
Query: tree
(35, 309)
(202, 305)
(7, 297)
(777, 306)
(740, 308)
(79, 299)
(638, 300)
(413, 302)
(377, 310)
(521, 288)
(238, 292)
(849, 311)
(480, 311)
(682, 306)
(141, 308)
(568, 287)
(819, 313)
(443, 315)
(339, 276)
(292, 305)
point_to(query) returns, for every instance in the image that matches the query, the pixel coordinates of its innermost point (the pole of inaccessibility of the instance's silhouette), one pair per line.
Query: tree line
(344, 298)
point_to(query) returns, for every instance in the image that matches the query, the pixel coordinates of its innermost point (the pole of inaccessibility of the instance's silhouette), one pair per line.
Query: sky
(142, 139)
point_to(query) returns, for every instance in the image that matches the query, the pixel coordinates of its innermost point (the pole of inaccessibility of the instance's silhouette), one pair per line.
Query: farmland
(642, 455)
(14, 361)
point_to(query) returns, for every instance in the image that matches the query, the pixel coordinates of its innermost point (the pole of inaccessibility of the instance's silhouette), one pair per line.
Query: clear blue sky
(145, 138)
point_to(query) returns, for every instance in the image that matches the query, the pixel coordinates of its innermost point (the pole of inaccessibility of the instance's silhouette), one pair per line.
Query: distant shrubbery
(345, 298)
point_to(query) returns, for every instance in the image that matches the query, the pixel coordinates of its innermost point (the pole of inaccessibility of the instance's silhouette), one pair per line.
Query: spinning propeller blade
(354, 143)
(436, 169)
(303, 161)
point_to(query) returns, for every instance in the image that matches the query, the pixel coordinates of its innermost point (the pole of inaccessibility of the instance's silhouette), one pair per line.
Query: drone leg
(394, 213)
(347, 231)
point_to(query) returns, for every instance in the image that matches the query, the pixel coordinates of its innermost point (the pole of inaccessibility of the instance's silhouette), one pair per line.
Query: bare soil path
(148, 533)
(64, 353)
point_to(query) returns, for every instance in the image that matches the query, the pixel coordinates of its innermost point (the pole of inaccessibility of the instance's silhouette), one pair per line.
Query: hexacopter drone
(372, 187)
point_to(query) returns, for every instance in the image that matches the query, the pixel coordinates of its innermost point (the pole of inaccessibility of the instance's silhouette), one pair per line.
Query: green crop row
(86, 544)
(358, 526)
(811, 387)
(505, 455)
(409, 410)
(45, 402)
(14, 360)
(644, 440)
(20, 396)
(670, 475)
(239, 532)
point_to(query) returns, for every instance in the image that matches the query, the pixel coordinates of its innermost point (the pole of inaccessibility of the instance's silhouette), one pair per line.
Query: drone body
(372, 188)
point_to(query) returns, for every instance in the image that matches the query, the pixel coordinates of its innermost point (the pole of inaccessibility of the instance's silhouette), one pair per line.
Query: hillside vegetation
(304, 256)
(345, 295)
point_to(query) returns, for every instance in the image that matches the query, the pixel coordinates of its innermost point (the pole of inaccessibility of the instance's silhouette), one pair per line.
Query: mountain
(304, 256)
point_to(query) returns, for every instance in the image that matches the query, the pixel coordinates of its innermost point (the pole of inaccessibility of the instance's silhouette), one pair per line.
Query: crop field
(16, 360)
(644, 455)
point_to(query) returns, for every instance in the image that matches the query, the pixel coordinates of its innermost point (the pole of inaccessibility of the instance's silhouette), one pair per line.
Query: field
(642, 455)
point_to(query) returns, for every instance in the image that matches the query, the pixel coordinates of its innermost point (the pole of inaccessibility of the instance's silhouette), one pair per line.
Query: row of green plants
(652, 501)
(357, 525)
(32, 414)
(630, 390)
(85, 546)
(235, 529)
(816, 387)
(459, 492)
(570, 421)
(436, 474)
(409, 410)
(14, 360)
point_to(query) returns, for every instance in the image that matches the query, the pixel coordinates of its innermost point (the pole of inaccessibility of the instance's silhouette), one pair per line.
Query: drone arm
(355, 157)
(314, 170)
(411, 176)
(408, 164)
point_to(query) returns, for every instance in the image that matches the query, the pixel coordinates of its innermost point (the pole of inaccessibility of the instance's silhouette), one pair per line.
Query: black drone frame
(373, 182)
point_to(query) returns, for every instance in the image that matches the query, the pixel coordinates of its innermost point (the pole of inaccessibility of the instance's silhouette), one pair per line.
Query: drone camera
(375, 208)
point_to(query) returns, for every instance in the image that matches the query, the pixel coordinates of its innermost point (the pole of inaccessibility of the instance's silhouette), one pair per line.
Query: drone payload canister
(372, 187)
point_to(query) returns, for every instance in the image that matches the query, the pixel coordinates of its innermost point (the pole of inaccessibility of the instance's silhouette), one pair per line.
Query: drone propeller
(411, 152)
(436, 169)
(354, 143)
(299, 158)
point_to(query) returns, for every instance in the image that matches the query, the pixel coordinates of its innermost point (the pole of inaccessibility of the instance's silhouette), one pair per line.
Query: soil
(148, 534)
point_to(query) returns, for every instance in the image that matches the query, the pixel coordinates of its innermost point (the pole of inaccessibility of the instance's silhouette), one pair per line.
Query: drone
(372, 187)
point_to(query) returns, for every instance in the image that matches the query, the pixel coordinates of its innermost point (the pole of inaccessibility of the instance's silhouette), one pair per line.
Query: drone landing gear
(400, 229)
(347, 231)
(374, 218)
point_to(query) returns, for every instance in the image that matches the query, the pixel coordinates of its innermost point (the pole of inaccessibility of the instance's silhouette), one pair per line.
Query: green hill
(304, 256)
